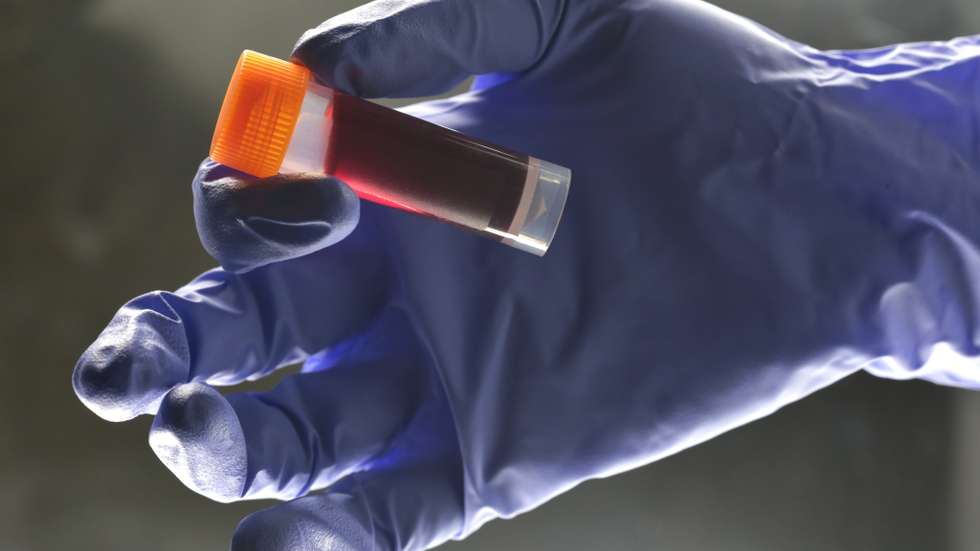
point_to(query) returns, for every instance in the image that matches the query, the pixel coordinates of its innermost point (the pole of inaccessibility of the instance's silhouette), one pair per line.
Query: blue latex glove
(750, 220)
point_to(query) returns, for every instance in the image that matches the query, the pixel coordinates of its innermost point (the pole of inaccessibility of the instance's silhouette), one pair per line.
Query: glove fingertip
(197, 435)
(385, 50)
(136, 359)
(325, 55)
(332, 521)
(246, 224)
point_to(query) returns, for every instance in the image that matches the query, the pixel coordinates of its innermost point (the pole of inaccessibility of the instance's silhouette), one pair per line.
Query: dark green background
(107, 107)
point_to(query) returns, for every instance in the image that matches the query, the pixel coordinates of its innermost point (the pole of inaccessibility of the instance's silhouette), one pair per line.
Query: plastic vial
(276, 119)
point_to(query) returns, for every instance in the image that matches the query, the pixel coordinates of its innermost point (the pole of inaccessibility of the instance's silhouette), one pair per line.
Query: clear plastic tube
(386, 156)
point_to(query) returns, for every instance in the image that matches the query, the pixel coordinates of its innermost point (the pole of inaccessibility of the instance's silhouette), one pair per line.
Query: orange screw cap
(259, 114)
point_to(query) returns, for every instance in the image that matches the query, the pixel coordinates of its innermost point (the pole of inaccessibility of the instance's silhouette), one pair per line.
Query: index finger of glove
(406, 48)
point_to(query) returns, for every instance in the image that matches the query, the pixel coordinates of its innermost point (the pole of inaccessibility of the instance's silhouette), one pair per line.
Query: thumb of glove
(246, 223)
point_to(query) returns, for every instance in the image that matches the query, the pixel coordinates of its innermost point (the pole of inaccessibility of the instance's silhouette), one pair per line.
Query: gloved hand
(750, 220)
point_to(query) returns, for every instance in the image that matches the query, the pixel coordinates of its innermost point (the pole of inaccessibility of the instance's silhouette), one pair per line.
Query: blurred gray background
(108, 106)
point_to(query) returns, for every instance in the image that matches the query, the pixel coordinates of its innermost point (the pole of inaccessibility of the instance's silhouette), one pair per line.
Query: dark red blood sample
(401, 161)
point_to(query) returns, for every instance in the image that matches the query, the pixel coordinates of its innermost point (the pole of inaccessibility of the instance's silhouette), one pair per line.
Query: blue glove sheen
(750, 220)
